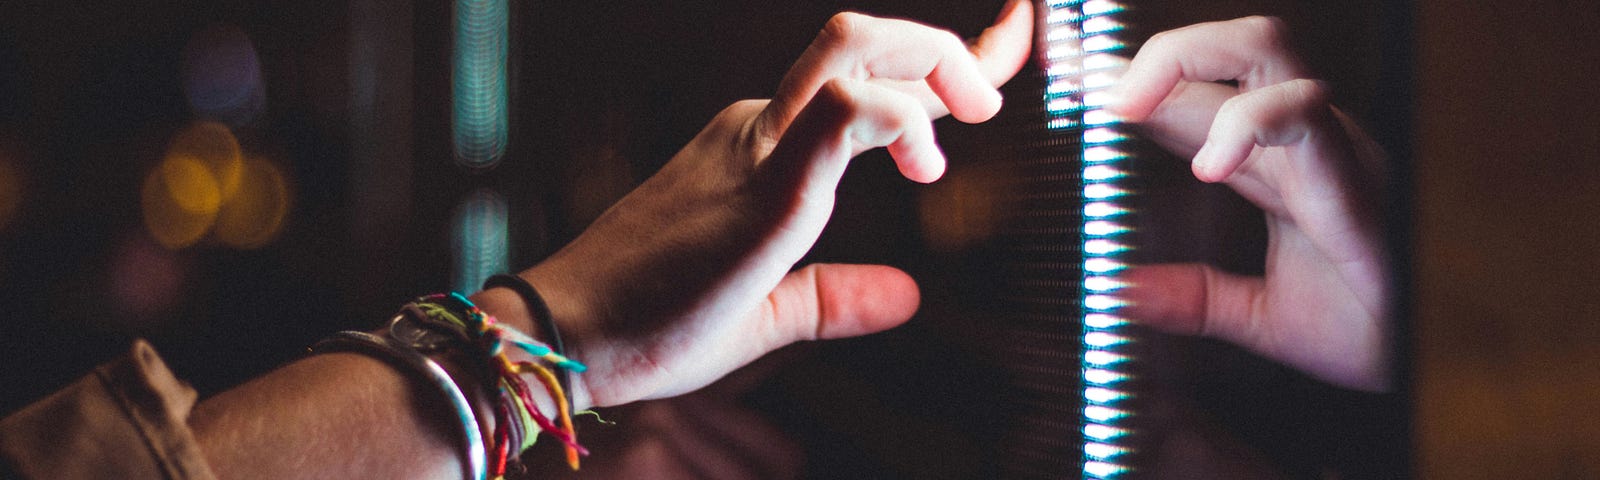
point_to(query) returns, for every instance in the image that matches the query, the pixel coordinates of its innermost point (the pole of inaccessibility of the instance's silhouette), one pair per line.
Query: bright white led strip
(1085, 58)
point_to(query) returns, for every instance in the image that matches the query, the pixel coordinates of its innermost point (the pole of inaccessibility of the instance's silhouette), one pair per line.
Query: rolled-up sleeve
(128, 419)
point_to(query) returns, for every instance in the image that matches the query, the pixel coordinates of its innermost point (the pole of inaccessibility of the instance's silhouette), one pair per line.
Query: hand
(1323, 304)
(688, 277)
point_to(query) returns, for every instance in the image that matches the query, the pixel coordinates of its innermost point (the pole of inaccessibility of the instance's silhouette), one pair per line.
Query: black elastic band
(541, 314)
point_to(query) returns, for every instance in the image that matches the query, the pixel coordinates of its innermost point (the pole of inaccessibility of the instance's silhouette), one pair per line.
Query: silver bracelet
(476, 468)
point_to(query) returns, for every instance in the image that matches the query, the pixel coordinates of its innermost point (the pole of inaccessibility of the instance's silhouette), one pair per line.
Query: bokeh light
(213, 145)
(481, 239)
(145, 281)
(205, 184)
(190, 185)
(222, 75)
(173, 225)
(255, 214)
(963, 209)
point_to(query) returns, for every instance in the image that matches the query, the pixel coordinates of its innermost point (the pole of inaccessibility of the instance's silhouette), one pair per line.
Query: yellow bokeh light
(213, 145)
(172, 224)
(255, 214)
(190, 185)
(205, 184)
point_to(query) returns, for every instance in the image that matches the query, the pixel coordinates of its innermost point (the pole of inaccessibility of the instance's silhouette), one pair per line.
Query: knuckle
(738, 111)
(948, 40)
(837, 95)
(1266, 30)
(746, 104)
(735, 115)
(1159, 41)
(1307, 92)
(843, 28)
(1235, 109)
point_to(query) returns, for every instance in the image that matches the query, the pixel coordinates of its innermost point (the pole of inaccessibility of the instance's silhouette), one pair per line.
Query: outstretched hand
(688, 277)
(1323, 304)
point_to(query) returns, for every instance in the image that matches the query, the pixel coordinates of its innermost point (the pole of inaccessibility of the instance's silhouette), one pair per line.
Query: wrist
(509, 308)
(493, 360)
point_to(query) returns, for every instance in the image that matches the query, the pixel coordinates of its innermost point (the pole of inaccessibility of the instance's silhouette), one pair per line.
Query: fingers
(1313, 178)
(1194, 299)
(1182, 121)
(1293, 112)
(844, 119)
(932, 65)
(1003, 48)
(1253, 51)
(1322, 336)
(825, 301)
(711, 437)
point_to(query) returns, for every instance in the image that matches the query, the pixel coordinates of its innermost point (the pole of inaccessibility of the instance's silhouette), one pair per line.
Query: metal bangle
(476, 466)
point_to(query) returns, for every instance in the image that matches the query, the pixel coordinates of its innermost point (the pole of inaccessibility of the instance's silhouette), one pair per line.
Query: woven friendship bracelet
(541, 314)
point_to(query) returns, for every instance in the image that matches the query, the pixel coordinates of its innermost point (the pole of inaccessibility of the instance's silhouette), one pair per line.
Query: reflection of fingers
(1195, 299)
(1180, 124)
(823, 301)
(1254, 51)
(861, 47)
(844, 119)
(1316, 179)
(740, 436)
(662, 430)
(1293, 112)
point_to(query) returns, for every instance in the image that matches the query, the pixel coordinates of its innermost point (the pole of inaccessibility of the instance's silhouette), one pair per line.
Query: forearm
(339, 415)
(346, 415)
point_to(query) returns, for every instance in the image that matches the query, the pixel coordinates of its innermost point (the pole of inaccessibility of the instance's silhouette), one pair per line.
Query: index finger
(928, 63)
(1253, 51)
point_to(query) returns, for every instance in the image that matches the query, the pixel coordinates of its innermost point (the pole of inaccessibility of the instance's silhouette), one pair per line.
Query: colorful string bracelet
(443, 323)
(463, 320)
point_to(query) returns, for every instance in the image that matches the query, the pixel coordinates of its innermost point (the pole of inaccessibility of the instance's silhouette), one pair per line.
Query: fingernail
(1202, 164)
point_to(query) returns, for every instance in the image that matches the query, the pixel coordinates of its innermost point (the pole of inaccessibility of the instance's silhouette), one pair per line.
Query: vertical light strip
(480, 131)
(1084, 58)
(481, 240)
(478, 82)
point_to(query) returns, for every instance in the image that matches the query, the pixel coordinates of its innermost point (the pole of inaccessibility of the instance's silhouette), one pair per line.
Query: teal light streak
(481, 240)
(478, 85)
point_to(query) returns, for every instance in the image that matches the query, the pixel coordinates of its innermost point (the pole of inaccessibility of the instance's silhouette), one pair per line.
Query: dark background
(1490, 107)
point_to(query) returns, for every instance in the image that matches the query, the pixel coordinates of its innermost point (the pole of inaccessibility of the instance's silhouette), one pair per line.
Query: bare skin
(684, 280)
(1323, 304)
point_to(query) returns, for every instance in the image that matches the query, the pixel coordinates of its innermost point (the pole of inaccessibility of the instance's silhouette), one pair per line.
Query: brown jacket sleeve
(127, 420)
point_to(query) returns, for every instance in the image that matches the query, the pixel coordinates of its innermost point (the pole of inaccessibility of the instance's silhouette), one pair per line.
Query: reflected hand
(688, 277)
(1323, 304)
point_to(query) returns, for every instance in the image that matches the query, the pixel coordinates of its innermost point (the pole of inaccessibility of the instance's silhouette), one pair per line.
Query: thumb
(1196, 299)
(824, 301)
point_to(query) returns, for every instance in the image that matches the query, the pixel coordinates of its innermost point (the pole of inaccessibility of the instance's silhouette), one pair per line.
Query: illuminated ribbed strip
(1083, 60)
(482, 238)
(478, 84)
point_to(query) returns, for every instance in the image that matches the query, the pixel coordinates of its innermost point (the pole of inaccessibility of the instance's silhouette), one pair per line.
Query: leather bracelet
(541, 314)
(419, 365)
